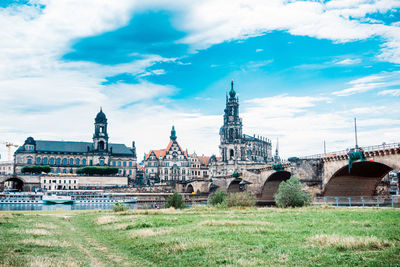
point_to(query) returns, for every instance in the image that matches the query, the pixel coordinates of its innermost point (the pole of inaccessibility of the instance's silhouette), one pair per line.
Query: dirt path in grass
(98, 254)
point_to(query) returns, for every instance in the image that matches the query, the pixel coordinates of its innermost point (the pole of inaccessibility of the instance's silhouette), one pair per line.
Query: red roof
(162, 152)
(204, 160)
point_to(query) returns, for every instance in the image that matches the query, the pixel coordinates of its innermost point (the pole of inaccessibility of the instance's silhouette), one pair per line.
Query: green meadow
(202, 236)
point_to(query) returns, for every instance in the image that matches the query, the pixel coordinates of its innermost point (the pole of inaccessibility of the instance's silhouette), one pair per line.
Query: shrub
(35, 169)
(241, 199)
(119, 207)
(97, 170)
(290, 194)
(176, 201)
(218, 198)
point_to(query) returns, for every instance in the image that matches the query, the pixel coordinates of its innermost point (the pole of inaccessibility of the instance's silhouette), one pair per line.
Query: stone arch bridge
(323, 175)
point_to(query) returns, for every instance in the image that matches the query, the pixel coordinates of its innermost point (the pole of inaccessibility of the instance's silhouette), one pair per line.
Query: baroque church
(68, 156)
(238, 151)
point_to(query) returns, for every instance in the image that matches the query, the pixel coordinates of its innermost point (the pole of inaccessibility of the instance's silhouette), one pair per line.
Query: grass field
(201, 236)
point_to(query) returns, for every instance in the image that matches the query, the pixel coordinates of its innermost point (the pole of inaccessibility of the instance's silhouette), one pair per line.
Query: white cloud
(393, 92)
(371, 82)
(348, 61)
(212, 22)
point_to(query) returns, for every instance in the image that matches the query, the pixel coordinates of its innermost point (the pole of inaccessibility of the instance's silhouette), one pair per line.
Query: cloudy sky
(303, 70)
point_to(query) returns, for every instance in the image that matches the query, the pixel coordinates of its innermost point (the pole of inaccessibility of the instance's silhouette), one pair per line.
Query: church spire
(173, 133)
(232, 92)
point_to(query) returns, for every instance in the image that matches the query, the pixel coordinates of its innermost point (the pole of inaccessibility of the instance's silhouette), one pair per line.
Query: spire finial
(232, 92)
(173, 133)
(101, 108)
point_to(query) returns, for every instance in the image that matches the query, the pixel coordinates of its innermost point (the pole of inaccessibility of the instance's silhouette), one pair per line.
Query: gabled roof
(204, 160)
(163, 152)
(158, 153)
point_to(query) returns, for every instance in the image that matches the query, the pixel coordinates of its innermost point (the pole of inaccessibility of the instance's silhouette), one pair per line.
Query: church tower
(100, 136)
(231, 136)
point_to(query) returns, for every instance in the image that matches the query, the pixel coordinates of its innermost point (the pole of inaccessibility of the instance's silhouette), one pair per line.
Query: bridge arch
(234, 186)
(13, 183)
(362, 180)
(189, 189)
(271, 185)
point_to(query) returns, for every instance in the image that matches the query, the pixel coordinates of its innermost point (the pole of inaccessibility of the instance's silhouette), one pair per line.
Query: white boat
(57, 199)
(97, 200)
(20, 198)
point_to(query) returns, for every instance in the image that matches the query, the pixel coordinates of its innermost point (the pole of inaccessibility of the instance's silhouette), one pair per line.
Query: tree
(175, 200)
(218, 198)
(36, 169)
(290, 194)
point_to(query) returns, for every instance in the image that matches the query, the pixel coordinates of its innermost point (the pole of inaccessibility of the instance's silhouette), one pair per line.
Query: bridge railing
(344, 152)
(359, 201)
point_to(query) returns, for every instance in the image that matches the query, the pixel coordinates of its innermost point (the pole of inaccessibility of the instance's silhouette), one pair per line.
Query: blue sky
(303, 70)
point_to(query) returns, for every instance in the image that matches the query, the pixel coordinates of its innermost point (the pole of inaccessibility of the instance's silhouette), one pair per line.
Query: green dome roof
(101, 117)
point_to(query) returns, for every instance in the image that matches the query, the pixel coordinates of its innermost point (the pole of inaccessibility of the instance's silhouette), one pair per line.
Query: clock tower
(231, 136)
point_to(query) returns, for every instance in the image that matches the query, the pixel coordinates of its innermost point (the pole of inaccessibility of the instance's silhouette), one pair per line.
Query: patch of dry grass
(46, 243)
(46, 226)
(6, 215)
(148, 232)
(349, 242)
(37, 232)
(105, 220)
(40, 261)
(233, 223)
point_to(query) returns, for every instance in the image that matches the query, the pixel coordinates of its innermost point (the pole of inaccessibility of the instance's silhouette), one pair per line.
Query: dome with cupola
(101, 117)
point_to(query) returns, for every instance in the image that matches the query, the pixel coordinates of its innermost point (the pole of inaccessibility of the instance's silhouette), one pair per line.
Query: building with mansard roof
(169, 165)
(68, 156)
(238, 150)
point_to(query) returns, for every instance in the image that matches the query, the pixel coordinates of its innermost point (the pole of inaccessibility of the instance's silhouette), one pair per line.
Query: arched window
(71, 161)
(51, 161)
(83, 161)
(231, 134)
(101, 145)
(65, 171)
(64, 162)
(113, 163)
(45, 160)
(130, 163)
(101, 162)
(58, 170)
(58, 161)
(77, 162)
(29, 161)
(38, 160)
(119, 163)
(124, 163)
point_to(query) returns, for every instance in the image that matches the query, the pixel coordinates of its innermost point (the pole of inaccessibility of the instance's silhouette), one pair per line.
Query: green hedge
(35, 169)
(97, 170)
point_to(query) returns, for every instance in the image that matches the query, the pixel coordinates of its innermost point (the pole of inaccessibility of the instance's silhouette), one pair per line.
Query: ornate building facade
(238, 150)
(68, 156)
(168, 165)
(199, 167)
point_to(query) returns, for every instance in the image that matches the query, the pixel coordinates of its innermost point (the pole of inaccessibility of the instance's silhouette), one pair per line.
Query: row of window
(59, 181)
(166, 164)
(174, 171)
(77, 162)
(122, 163)
(199, 172)
(58, 161)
